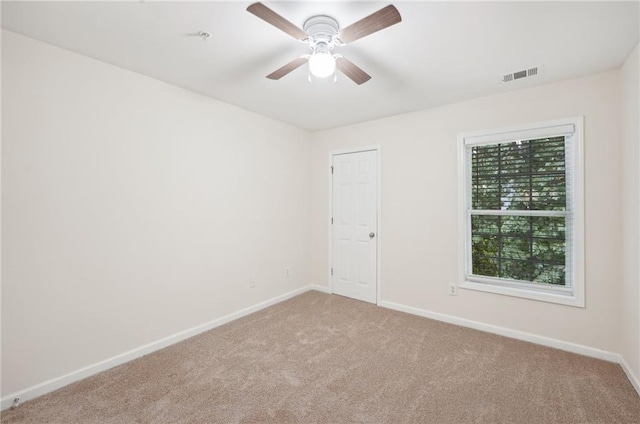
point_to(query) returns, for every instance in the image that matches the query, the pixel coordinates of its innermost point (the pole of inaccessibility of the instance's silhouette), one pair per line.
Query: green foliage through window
(519, 176)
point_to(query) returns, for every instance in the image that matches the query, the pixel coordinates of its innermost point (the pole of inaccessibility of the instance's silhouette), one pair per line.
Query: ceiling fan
(322, 33)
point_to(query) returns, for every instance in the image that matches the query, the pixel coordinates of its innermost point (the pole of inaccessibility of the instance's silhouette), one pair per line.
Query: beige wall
(419, 209)
(132, 211)
(630, 289)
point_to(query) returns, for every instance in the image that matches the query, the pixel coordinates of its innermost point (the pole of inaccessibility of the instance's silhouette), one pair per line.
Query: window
(521, 211)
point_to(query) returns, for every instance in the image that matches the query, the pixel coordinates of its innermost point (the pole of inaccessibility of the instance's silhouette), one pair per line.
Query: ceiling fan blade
(269, 16)
(291, 66)
(356, 74)
(381, 19)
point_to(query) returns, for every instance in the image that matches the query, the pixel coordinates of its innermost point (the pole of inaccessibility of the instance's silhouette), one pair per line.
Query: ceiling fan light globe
(322, 65)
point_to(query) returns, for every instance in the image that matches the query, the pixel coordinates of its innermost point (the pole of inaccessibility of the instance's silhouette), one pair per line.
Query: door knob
(372, 234)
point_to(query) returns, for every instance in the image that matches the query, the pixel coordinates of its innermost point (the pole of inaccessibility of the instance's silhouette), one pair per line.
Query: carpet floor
(319, 358)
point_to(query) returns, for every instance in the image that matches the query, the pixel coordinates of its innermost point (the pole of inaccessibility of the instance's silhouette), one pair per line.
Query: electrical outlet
(252, 284)
(287, 274)
(453, 290)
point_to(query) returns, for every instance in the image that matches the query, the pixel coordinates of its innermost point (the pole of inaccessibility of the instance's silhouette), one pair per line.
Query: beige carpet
(328, 359)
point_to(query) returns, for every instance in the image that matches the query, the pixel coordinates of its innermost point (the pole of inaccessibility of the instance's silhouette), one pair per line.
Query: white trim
(462, 214)
(513, 212)
(521, 335)
(346, 151)
(378, 149)
(82, 373)
(507, 332)
(330, 226)
(378, 230)
(578, 213)
(317, 287)
(563, 299)
(58, 382)
(520, 284)
(520, 132)
(573, 126)
(627, 370)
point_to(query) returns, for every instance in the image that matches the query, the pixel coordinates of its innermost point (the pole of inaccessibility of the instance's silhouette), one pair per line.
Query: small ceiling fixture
(322, 33)
(204, 35)
(322, 64)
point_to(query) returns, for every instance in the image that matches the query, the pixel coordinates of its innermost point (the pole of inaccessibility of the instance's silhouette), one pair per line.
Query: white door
(355, 222)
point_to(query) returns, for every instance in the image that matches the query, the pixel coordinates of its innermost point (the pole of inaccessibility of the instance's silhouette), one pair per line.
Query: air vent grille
(520, 74)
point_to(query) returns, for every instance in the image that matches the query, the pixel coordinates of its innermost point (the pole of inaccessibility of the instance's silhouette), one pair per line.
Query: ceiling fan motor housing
(322, 31)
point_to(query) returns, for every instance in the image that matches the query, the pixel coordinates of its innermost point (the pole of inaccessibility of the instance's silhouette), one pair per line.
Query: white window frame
(574, 293)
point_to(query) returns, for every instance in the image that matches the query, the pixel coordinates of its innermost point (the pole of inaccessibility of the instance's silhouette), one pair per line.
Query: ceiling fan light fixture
(322, 64)
(322, 33)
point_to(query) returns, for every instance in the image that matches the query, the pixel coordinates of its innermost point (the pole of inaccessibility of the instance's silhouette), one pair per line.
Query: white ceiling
(442, 52)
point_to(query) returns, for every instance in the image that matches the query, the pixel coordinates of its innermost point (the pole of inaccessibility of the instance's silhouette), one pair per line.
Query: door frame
(332, 153)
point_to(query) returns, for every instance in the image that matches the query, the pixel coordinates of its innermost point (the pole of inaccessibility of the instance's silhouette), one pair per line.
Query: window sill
(563, 299)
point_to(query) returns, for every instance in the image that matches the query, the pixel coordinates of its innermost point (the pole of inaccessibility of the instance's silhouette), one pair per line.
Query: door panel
(355, 218)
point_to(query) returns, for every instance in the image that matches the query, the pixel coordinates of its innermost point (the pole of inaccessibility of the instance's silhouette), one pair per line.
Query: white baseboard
(627, 370)
(514, 334)
(322, 289)
(520, 335)
(58, 382)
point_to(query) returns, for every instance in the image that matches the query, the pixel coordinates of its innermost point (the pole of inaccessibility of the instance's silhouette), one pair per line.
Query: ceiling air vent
(520, 74)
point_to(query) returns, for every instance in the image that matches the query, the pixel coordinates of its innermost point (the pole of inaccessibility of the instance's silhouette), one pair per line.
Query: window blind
(519, 211)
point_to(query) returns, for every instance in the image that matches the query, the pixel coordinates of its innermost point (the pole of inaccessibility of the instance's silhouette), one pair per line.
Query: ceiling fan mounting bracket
(321, 29)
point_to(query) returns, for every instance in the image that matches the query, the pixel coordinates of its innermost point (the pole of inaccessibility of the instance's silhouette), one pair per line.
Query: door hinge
(331, 271)
(332, 169)
(331, 220)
